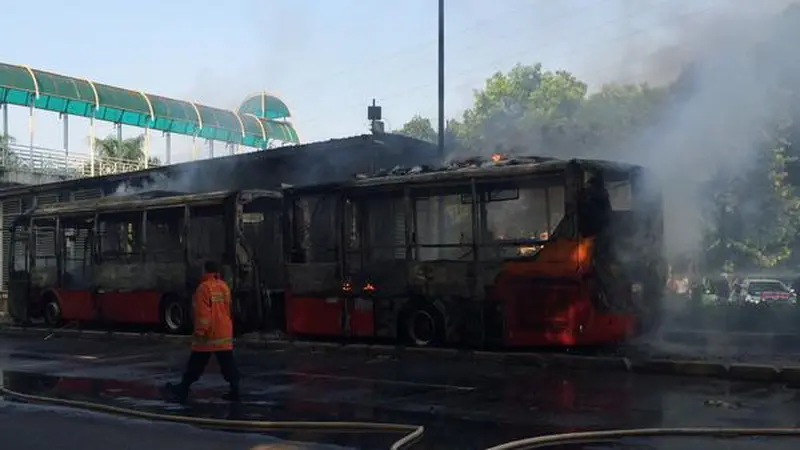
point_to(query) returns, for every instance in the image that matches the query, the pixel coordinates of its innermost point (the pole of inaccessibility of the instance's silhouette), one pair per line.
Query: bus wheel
(174, 315)
(424, 326)
(52, 312)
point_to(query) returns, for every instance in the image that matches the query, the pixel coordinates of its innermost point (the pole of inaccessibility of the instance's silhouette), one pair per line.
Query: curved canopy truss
(24, 86)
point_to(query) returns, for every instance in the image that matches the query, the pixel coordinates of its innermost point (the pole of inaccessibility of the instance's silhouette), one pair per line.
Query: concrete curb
(653, 366)
(754, 372)
(737, 339)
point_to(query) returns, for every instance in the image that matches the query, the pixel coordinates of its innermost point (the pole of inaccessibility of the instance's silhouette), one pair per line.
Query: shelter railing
(40, 160)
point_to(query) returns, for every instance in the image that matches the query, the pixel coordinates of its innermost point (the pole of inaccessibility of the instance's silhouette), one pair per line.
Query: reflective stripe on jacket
(213, 327)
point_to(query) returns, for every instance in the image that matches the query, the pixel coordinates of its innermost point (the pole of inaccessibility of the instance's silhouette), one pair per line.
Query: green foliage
(420, 128)
(110, 152)
(7, 155)
(129, 150)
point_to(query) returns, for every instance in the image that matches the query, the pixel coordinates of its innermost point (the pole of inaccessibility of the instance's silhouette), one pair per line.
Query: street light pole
(441, 80)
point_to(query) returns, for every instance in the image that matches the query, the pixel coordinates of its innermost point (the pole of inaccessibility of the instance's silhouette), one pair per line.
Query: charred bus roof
(142, 201)
(473, 168)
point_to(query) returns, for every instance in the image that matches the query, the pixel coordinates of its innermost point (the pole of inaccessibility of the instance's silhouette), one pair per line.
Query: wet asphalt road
(463, 405)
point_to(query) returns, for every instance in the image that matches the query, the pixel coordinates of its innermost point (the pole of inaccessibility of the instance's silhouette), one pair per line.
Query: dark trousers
(197, 365)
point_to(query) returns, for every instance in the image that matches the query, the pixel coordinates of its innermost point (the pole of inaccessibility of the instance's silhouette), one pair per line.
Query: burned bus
(508, 252)
(137, 259)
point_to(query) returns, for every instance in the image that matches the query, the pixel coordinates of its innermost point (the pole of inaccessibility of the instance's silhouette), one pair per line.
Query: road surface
(463, 405)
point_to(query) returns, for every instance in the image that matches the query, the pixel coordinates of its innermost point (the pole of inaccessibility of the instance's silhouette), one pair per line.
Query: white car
(764, 291)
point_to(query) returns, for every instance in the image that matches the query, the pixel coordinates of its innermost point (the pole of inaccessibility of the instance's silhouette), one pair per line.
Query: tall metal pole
(441, 79)
(440, 211)
(5, 135)
(65, 120)
(169, 148)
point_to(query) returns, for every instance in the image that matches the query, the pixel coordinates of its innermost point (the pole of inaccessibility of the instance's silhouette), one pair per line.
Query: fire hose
(586, 437)
(412, 433)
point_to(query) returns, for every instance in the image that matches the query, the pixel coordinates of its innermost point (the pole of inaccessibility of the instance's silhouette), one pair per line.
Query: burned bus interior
(107, 259)
(466, 233)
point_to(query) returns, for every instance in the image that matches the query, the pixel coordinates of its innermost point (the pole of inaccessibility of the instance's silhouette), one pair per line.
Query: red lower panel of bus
(362, 317)
(76, 305)
(557, 314)
(313, 315)
(136, 307)
(317, 316)
(600, 330)
(139, 307)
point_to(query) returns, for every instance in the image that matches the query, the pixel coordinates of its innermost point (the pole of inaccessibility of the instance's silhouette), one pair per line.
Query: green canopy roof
(268, 108)
(21, 85)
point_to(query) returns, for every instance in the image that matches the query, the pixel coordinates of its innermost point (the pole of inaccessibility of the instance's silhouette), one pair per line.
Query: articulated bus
(508, 252)
(137, 259)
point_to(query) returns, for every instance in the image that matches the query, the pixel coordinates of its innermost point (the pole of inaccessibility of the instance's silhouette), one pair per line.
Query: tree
(129, 150)
(525, 107)
(754, 215)
(113, 156)
(420, 128)
(7, 156)
(614, 115)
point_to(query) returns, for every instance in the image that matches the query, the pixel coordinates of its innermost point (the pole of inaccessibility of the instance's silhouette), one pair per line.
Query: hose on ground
(586, 437)
(412, 433)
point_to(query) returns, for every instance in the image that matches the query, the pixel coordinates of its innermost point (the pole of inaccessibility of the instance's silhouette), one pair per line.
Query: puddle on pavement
(463, 419)
(203, 403)
(35, 356)
(298, 404)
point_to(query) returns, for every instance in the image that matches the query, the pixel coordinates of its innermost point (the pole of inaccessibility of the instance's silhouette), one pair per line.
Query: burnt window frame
(74, 222)
(180, 211)
(544, 182)
(356, 218)
(297, 253)
(25, 224)
(37, 225)
(426, 192)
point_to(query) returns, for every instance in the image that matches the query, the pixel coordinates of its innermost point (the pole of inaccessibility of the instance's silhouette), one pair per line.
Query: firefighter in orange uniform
(213, 334)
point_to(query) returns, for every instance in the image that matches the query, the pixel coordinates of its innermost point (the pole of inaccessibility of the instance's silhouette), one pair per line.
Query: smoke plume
(733, 68)
(724, 68)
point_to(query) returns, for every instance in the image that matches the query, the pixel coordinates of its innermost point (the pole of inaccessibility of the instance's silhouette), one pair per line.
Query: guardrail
(41, 160)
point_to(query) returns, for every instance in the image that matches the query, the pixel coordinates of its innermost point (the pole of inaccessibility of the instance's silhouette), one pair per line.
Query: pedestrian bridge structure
(260, 122)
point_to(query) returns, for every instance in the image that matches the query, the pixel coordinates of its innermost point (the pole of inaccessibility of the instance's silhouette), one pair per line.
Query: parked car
(763, 290)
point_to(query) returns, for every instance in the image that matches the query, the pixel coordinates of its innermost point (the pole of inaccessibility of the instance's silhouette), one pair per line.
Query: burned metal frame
(92, 212)
(104, 207)
(471, 182)
(134, 265)
(112, 204)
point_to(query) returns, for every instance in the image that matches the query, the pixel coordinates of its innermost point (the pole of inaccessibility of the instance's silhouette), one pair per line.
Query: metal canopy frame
(250, 126)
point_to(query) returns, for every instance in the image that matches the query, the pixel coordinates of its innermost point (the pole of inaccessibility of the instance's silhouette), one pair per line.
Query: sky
(327, 59)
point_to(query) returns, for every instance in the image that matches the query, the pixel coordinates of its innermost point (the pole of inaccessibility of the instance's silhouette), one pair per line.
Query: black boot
(232, 395)
(176, 392)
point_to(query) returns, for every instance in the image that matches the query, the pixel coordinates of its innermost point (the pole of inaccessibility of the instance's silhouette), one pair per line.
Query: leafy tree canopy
(130, 149)
(420, 128)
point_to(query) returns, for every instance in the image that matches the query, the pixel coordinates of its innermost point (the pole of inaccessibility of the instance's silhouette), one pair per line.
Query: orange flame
(496, 157)
(346, 287)
(369, 287)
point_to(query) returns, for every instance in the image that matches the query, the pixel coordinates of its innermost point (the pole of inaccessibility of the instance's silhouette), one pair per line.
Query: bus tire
(422, 325)
(52, 311)
(174, 315)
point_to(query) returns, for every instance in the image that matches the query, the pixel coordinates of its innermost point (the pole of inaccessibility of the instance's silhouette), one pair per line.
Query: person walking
(213, 334)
